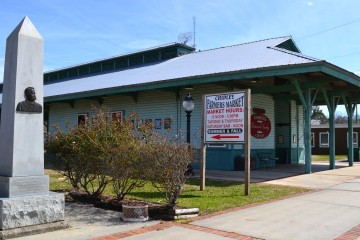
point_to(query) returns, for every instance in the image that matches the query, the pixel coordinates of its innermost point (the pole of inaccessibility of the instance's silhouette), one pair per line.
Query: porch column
(350, 108)
(332, 132)
(331, 105)
(350, 142)
(307, 133)
(307, 103)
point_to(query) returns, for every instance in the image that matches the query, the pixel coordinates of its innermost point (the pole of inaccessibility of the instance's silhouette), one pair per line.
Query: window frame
(321, 145)
(356, 144)
(312, 139)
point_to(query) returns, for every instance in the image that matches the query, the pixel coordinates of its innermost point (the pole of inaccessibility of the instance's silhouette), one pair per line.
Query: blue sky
(80, 31)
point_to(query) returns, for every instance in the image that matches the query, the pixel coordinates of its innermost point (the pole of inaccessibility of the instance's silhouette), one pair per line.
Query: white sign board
(224, 118)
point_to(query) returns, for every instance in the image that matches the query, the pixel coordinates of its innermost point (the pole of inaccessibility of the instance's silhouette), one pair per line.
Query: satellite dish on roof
(185, 37)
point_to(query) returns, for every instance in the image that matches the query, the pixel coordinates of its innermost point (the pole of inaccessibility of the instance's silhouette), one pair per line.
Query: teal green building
(284, 85)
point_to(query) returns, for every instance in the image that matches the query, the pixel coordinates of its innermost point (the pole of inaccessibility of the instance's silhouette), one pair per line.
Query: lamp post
(188, 104)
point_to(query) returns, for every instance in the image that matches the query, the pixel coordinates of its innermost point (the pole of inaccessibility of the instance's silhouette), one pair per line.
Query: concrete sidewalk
(332, 212)
(281, 171)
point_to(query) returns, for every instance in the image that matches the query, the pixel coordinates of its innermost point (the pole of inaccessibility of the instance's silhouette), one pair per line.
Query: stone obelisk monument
(24, 189)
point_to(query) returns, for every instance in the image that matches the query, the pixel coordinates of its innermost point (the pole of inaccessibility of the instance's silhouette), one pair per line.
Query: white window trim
(313, 139)
(320, 143)
(355, 144)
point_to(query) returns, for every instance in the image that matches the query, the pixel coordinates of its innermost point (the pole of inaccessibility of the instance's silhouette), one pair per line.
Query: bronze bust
(29, 105)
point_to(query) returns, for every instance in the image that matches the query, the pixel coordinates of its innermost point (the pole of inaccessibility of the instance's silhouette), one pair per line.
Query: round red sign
(260, 126)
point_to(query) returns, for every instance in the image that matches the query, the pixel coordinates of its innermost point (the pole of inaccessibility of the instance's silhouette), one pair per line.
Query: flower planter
(135, 213)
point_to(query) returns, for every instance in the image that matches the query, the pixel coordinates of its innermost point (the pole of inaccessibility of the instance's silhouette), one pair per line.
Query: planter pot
(135, 213)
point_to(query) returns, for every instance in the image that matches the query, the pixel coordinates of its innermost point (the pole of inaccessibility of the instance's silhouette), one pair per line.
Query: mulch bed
(108, 202)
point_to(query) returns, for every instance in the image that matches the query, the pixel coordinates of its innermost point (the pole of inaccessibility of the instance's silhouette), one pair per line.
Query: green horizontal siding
(160, 104)
(265, 102)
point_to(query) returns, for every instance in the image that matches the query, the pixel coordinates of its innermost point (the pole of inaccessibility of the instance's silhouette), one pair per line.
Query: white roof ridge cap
(294, 53)
(240, 44)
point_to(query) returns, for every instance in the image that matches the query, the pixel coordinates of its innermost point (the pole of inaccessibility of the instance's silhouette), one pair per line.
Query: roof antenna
(194, 45)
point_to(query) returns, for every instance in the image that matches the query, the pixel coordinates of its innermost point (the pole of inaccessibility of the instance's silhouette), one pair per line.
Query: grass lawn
(324, 158)
(218, 195)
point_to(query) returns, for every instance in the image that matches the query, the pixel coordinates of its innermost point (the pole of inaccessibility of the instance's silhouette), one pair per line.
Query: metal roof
(126, 54)
(259, 54)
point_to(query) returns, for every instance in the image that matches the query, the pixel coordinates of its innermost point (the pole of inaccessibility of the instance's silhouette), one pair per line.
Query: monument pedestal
(25, 200)
(31, 210)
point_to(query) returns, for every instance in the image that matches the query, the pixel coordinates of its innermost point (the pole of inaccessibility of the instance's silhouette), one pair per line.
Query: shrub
(62, 148)
(106, 150)
(81, 154)
(167, 163)
(126, 166)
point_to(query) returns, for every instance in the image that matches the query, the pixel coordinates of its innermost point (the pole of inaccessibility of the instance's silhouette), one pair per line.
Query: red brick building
(320, 139)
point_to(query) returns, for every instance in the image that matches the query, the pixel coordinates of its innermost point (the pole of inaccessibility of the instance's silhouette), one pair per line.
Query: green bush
(167, 163)
(113, 151)
(82, 155)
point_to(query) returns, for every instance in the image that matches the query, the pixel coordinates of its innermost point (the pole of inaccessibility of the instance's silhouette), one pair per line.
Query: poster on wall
(148, 122)
(260, 124)
(167, 123)
(157, 123)
(224, 117)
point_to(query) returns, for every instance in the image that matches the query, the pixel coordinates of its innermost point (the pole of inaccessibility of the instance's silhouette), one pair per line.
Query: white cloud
(310, 3)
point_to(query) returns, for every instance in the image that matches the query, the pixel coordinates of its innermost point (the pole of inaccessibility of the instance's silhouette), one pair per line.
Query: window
(312, 139)
(81, 118)
(354, 139)
(324, 139)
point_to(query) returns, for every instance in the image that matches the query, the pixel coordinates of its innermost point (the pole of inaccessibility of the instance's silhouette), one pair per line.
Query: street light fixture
(188, 104)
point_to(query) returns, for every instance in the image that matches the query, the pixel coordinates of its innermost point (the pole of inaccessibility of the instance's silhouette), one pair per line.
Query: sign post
(226, 118)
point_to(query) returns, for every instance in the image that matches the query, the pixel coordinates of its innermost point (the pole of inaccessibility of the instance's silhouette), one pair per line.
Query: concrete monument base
(31, 210)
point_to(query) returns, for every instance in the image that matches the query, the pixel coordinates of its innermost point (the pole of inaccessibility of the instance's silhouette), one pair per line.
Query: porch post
(307, 133)
(350, 108)
(350, 142)
(307, 103)
(331, 105)
(332, 132)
